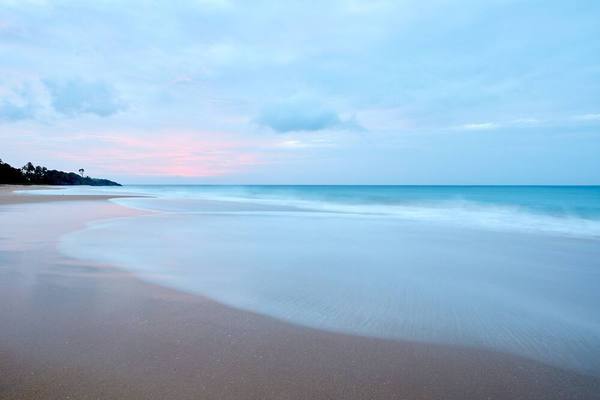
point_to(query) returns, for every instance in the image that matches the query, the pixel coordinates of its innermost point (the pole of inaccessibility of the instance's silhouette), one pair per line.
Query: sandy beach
(297, 200)
(70, 329)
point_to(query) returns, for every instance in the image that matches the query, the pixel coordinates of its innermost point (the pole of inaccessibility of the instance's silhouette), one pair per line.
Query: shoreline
(9, 196)
(78, 329)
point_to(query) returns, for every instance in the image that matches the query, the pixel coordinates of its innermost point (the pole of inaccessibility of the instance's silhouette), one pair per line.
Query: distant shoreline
(38, 175)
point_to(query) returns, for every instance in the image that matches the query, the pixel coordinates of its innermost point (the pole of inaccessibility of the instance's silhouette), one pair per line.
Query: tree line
(37, 175)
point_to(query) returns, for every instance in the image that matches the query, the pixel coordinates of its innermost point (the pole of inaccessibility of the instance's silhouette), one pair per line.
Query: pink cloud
(167, 154)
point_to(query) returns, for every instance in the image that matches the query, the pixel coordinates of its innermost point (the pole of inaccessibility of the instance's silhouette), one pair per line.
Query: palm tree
(28, 168)
(81, 171)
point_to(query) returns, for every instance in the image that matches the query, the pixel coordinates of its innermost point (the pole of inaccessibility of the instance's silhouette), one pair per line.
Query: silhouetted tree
(28, 168)
(11, 175)
(38, 175)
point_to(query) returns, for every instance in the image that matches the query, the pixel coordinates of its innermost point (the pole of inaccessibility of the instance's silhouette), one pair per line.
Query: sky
(304, 92)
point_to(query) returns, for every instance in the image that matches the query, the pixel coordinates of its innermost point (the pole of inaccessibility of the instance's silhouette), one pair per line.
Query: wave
(457, 213)
(498, 210)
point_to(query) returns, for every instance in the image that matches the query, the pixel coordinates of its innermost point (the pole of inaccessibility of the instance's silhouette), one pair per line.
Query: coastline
(72, 328)
(8, 195)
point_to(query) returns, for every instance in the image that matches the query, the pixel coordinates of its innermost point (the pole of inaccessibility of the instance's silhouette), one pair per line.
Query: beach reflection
(530, 295)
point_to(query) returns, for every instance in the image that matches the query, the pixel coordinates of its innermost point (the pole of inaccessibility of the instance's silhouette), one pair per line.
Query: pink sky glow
(140, 156)
(167, 154)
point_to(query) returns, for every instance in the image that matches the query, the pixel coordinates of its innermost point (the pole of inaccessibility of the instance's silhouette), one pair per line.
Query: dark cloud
(76, 97)
(19, 103)
(12, 112)
(294, 116)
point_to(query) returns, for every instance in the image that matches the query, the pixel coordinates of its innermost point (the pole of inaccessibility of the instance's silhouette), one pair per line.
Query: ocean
(510, 268)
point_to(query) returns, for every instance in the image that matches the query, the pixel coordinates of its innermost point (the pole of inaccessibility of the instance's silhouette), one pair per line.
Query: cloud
(75, 97)
(526, 121)
(484, 126)
(19, 102)
(170, 153)
(33, 98)
(303, 115)
(530, 122)
(587, 117)
(12, 112)
(294, 143)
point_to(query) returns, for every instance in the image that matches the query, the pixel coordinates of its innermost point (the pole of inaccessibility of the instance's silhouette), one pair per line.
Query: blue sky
(218, 91)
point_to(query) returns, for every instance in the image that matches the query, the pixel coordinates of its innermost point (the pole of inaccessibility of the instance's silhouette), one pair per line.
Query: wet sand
(76, 330)
(8, 195)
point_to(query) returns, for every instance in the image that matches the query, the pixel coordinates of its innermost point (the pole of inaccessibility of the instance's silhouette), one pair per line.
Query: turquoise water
(562, 210)
(577, 201)
(582, 201)
(513, 269)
